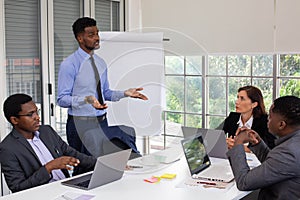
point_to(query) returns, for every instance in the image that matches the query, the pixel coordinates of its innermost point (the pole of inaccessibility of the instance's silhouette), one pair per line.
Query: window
(201, 94)
(184, 89)
(289, 75)
(65, 13)
(225, 74)
(22, 38)
(107, 15)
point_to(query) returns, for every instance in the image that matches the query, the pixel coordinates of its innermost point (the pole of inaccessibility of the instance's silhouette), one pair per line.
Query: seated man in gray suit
(278, 176)
(34, 154)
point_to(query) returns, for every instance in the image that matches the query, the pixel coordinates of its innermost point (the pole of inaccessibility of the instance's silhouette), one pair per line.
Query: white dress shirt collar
(248, 123)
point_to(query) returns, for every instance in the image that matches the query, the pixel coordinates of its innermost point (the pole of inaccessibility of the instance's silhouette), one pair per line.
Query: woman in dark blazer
(250, 112)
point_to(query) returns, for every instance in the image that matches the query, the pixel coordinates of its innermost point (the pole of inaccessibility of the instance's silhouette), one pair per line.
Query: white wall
(231, 26)
(133, 15)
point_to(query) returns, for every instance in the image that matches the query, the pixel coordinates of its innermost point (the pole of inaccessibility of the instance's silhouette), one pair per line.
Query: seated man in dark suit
(34, 154)
(278, 176)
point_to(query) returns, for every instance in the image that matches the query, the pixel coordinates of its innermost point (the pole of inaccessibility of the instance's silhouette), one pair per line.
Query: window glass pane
(102, 14)
(174, 117)
(234, 83)
(174, 65)
(193, 120)
(115, 16)
(216, 95)
(65, 14)
(263, 65)
(266, 87)
(290, 87)
(290, 65)
(194, 65)
(194, 94)
(22, 39)
(216, 65)
(239, 65)
(214, 121)
(175, 93)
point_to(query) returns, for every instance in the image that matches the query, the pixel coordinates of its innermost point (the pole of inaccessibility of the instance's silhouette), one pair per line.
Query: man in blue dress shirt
(87, 127)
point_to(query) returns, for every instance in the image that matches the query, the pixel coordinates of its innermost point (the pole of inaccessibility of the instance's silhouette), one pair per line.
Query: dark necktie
(98, 81)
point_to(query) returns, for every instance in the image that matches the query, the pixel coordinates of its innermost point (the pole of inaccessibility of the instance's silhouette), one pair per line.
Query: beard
(91, 48)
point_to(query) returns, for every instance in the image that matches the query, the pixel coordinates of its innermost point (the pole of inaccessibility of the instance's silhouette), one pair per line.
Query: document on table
(196, 183)
(75, 196)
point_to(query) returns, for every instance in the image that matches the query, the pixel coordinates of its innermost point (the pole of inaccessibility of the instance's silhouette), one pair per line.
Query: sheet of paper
(196, 184)
(75, 196)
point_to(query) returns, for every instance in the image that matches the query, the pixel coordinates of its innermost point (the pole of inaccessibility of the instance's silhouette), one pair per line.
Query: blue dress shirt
(76, 81)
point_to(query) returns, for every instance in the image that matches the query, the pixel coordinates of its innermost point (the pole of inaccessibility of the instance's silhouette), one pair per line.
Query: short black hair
(81, 23)
(289, 108)
(12, 105)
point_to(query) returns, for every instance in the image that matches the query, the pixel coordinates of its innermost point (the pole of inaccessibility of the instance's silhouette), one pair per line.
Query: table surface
(133, 186)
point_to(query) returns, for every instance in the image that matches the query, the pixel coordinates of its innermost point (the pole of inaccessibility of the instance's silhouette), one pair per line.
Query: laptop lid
(108, 168)
(195, 154)
(214, 140)
(199, 163)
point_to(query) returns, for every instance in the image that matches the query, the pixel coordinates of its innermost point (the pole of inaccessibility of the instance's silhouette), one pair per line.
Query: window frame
(275, 79)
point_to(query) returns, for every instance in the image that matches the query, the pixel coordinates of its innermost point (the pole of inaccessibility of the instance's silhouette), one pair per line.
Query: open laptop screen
(108, 168)
(214, 140)
(195, 153)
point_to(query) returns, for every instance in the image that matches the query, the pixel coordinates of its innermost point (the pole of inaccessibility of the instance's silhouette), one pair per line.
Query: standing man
(79, 76)
(33, 154)
(278, 176)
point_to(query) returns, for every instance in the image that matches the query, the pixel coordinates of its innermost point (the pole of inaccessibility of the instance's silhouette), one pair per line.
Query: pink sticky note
(152, 179)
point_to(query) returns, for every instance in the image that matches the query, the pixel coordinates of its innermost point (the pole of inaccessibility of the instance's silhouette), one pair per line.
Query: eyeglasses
(31, 114)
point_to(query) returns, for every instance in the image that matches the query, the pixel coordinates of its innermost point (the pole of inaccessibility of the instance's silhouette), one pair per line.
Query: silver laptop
(199, 163)
(214, 140)
(108, 168)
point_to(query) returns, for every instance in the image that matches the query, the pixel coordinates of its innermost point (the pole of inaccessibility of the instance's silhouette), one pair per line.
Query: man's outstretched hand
(134, 93)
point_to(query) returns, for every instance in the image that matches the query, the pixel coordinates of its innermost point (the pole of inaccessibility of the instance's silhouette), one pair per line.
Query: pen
(134, 166)
(206, 183)
(57, 152)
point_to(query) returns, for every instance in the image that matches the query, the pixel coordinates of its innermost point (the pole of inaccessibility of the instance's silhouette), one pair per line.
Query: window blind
(216, 27)
(107, 15)
(22, 30)
(22, 43)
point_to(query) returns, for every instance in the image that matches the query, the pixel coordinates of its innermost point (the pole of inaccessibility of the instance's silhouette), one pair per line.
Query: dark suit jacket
(259, 125)
(21, 166)
(278, 176)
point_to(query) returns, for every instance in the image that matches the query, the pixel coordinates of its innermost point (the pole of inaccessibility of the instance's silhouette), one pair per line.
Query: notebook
(200, 165)
(108, 168)
(214, 140)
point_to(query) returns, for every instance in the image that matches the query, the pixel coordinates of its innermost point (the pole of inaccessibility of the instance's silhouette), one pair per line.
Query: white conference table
(132, 186)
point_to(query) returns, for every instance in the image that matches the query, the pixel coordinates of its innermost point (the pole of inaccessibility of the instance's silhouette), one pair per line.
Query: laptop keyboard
(83, 184)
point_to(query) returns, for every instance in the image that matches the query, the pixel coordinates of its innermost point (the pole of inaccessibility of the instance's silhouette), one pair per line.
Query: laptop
(108, 168)
(214, 140)
(200, 165)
